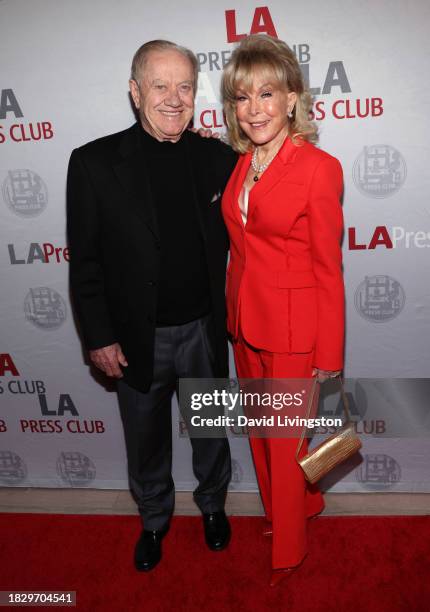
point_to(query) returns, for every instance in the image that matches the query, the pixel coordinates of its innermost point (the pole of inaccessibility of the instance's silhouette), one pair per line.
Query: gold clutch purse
(332, 451)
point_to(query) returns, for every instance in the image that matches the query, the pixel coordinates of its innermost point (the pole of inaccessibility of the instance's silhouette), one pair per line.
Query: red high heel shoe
(267, 529)
(280, 574)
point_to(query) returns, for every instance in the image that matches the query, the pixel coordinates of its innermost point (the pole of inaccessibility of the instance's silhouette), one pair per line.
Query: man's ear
(135, 92)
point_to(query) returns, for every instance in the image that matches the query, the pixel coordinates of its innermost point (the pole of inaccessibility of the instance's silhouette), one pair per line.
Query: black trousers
(181, 351)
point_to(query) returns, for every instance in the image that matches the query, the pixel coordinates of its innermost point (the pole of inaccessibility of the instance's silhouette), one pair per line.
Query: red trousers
(287, 497)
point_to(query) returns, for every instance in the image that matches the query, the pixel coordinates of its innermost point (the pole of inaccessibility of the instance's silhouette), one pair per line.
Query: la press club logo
(380, 171)
(37, 252)
(379, 298)
(13, 469)
(45, 308)
(20, 131)
(330, 405)
(378, 472)
(58, 413)
(26, 194)
(75, 469)
(334, 79)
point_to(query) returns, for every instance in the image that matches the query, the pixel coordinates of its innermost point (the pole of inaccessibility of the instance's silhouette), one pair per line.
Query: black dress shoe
(147, 553)
(217, 530)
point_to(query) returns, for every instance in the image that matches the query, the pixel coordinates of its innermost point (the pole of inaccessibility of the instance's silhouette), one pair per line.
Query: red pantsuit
(286, 498)
(285, 309)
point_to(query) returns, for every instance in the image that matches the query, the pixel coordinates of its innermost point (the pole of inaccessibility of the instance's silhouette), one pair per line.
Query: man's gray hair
(141, 56)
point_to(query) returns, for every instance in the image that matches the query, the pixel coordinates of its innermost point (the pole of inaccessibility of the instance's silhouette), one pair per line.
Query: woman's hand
(323, 375)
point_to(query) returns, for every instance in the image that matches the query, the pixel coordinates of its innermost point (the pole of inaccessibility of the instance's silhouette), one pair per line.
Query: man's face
(165, 96)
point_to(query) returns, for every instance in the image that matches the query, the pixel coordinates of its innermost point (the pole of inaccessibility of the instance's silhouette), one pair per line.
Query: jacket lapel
(132, 173)
(277, 170)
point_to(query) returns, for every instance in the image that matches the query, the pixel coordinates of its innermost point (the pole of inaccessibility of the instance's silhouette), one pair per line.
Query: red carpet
(369, 564)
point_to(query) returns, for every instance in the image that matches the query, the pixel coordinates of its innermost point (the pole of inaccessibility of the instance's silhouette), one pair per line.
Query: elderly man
(147, 272)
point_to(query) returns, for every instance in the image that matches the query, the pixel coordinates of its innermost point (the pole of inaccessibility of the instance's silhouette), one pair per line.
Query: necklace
(259, 168)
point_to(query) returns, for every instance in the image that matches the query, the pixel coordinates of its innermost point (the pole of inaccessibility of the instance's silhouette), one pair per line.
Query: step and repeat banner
(64, 81)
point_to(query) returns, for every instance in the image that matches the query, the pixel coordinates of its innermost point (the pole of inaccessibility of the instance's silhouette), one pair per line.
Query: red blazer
(284, 277)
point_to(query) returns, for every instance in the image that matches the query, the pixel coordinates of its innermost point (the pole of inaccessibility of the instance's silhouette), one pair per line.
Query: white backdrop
(64, 72)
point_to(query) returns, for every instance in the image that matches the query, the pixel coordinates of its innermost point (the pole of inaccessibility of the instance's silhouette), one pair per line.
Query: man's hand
(323, 375)
(205, 133)
(108, 360)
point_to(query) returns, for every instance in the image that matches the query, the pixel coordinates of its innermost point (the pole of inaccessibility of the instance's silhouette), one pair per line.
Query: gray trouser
(181, 351)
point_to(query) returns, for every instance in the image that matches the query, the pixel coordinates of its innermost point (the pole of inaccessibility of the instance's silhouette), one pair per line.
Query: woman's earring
(290, 114)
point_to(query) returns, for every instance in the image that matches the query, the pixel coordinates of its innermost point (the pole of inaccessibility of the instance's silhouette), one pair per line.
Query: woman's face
(262, 111)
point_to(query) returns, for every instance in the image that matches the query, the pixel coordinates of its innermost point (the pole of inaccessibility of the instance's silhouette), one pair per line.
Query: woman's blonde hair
(274, 58)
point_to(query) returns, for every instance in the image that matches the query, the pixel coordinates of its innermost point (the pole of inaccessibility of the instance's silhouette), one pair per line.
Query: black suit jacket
(115, 248)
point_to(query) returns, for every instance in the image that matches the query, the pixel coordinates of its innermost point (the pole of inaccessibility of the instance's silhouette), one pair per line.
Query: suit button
(150, 319)
(157, 246)
(151, 283)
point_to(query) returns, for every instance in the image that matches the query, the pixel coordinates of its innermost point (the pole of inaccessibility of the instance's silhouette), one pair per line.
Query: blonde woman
(285, 293)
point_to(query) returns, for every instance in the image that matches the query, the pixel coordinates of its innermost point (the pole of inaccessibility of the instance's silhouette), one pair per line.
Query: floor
(96, 501)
